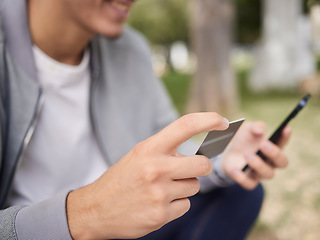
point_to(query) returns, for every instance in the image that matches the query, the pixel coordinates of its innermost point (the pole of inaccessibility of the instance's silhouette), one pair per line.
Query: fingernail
(226, 121)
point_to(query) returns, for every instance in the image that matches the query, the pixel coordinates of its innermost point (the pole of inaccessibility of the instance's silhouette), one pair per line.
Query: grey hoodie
(127, 105)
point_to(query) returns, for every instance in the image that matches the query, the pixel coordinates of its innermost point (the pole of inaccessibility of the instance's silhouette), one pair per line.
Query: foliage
(250, 16)
(177, 85)
(166, 21)
(308, 3)
(311, 2)
(248, 21)
(162, 22)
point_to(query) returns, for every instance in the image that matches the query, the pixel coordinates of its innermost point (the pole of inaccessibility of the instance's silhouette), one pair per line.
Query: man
(86, 149)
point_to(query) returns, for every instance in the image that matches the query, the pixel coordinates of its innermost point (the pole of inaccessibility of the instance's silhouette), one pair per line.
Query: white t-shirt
(62, 153)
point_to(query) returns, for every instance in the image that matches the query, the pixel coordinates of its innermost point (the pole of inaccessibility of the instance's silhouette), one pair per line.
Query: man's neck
(55, 33)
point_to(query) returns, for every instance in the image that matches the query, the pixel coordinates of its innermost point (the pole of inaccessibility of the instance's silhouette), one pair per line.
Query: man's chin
(113, 34)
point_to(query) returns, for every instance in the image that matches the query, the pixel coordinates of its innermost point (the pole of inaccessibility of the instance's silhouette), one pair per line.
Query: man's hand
(248, 140)
(147, 188)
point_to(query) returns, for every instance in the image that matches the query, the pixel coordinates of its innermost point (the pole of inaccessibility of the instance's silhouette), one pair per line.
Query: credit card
(216, 141)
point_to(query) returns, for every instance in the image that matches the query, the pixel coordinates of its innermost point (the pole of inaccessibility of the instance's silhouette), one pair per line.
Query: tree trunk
(213, 87)
(284, 56)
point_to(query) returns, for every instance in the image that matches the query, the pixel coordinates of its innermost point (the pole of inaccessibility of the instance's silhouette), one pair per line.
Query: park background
(252, 59)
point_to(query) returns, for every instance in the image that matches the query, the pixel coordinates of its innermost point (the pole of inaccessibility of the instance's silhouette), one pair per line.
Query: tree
(214, 86)
(284, 56)
(162, 22)
(249, 21)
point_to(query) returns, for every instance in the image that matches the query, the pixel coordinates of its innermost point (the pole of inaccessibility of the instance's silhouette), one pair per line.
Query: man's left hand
(242, 150)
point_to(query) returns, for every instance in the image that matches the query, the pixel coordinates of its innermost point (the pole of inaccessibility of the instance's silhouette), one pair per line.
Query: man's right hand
(147, 188)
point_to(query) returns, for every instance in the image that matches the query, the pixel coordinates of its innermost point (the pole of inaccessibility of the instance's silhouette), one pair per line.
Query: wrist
(220, 171)
(80, 214)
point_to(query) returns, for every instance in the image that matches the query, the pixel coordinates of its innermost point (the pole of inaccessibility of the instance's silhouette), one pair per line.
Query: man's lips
(121, 6)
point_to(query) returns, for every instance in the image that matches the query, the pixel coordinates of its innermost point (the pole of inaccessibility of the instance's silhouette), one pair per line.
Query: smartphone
(277, 134)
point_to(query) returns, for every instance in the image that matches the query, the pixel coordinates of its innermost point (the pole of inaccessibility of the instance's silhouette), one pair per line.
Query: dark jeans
(222, 214)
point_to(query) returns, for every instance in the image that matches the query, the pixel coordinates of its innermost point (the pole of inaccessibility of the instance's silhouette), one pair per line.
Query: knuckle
(216, 118)
(138, 148)
(256, 163)
(144, 148)
(188, 121)
(159, 216)
(160, 196)
(260, 124)
(151, 173)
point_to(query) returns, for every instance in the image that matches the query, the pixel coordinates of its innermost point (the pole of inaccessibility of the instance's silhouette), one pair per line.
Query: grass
(292, 205)
(178, 87)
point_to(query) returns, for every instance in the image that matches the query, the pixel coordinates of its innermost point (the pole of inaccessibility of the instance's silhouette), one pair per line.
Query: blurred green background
(292, 205)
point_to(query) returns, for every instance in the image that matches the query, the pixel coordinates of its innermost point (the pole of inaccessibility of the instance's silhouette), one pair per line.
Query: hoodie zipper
(29, 134)
(32, 127)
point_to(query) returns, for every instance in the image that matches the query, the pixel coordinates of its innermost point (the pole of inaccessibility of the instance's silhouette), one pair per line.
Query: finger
(179, 154)
(178, 208)
(253, 175)
(171, 137)
(258, 129)
(189, 167)
(274, 154)
(284, 138)
(259, 167)
(183, 188)
(244, 180)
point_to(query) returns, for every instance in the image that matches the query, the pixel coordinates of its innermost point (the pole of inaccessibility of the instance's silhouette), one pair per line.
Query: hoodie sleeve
(45, 220)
